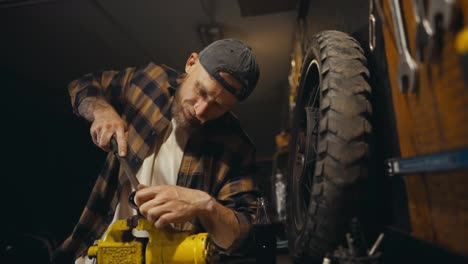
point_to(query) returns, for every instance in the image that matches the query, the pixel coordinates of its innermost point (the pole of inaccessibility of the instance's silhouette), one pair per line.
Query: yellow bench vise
(136, 241)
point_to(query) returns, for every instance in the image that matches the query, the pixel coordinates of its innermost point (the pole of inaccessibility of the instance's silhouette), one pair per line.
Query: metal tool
(126, 167)
(407, 66)
(440, 13)
(128, 171)
(351, 248)
(440, 16)
(443, 161)
(372, 38)
(424, 31)
(376, 244)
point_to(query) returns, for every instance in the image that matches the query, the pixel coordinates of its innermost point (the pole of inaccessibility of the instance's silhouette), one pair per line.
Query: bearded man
(194, 162)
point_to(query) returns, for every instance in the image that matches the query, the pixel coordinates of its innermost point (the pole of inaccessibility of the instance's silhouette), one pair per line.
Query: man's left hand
(166, 204)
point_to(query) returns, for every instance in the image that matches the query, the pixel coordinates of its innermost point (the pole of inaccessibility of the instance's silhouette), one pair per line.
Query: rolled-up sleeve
(108, 85)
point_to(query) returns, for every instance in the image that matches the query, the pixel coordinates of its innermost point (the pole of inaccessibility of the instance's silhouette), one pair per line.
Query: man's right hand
(107, 124)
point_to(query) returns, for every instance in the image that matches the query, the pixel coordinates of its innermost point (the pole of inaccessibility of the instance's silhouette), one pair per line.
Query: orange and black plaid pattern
(218, 159)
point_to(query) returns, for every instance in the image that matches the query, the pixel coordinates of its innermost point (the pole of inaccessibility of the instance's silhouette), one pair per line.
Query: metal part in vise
(407, 66)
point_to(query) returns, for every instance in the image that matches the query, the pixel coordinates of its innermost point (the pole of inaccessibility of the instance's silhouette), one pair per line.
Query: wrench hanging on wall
(407, 66)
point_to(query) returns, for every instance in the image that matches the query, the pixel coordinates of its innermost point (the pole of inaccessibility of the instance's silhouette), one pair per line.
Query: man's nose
(201, 108)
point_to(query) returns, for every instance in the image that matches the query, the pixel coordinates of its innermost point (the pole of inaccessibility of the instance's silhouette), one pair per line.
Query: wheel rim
(305, 154)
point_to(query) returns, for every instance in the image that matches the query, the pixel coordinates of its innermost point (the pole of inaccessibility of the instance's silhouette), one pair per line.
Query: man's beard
(185, 120)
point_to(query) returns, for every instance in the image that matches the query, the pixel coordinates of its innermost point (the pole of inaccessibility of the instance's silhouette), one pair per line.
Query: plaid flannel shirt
(218, 159)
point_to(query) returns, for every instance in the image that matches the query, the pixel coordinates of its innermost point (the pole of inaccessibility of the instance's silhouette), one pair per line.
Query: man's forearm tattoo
(89, 105)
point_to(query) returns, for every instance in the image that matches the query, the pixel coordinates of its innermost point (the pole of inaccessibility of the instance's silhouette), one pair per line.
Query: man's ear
(191, 61)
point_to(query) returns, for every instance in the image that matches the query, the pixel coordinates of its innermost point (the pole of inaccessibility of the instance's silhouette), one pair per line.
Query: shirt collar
(174, 78)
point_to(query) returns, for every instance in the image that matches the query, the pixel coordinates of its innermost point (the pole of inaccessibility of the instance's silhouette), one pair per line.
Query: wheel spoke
(312, 126)
(314, 97)
(314, 102)
(306, 153)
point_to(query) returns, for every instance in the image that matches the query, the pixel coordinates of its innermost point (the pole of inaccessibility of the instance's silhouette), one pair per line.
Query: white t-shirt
(160, 168)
